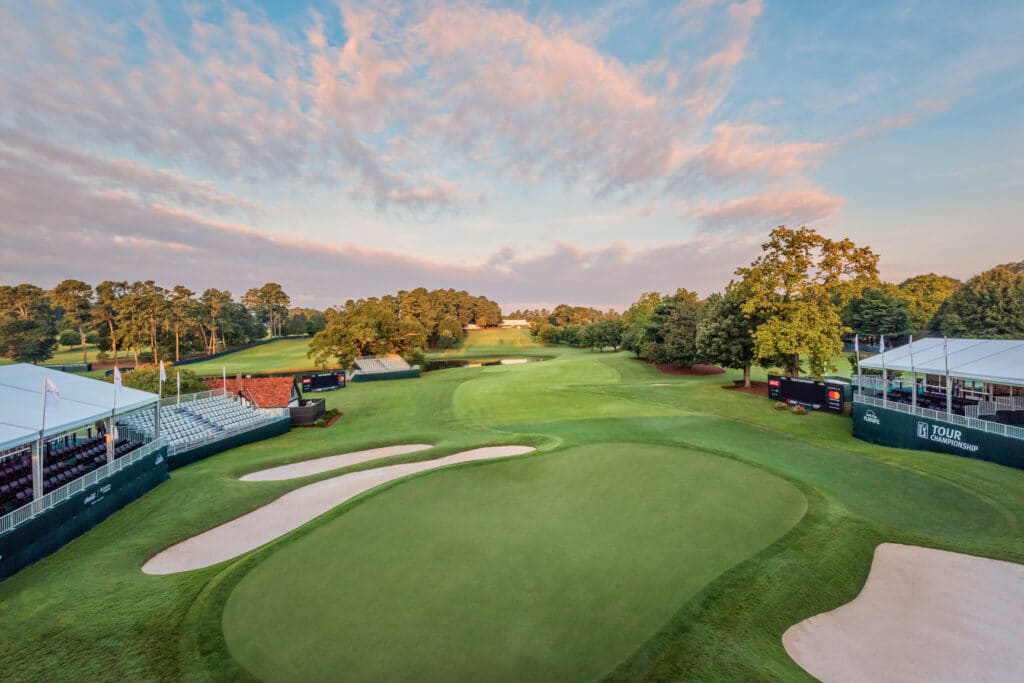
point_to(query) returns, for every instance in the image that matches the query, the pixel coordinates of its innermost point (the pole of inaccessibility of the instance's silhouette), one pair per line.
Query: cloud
(767, 210)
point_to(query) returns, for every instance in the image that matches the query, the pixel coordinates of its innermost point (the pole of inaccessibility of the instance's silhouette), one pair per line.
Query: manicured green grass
(544, 568)
(281, 355)
(88, 612)
(498, 343)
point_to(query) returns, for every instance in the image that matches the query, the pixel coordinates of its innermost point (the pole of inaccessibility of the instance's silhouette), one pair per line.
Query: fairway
(497, 343)
(545, 568)
(280, 355)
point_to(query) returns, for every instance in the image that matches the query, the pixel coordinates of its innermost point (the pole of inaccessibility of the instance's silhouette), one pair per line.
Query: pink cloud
(764, 211)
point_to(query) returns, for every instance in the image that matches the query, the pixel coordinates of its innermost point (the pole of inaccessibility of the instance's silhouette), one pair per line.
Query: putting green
(551, 567)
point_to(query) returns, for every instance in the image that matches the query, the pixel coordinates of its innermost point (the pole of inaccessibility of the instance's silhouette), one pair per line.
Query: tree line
(142, 320)
(405, 323)
(792, 308)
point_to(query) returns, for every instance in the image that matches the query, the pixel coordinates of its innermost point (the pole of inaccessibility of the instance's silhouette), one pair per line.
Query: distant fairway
(498, 343)
(546, 568)
(282, 355)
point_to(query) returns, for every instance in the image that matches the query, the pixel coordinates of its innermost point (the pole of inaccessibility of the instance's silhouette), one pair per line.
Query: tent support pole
(110, 438)
(913, 392)
(37, 476)
(949, 395)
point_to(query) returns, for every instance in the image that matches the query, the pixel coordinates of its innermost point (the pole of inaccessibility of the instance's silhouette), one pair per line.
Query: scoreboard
(830, 394)
(325, 382)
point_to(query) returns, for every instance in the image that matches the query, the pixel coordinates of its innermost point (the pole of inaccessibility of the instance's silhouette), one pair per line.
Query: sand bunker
(294, 509)
(331, 462)
(923, 615)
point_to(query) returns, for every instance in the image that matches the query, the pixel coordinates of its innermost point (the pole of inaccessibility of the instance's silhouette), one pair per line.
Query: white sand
(923, 615)
(331, 462)
(294, 509)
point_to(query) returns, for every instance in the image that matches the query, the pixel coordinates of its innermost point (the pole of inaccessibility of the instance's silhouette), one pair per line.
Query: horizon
(532, 153)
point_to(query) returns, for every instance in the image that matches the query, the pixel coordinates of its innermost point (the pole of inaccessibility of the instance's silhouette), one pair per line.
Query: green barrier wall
(376, 376)
(72, 517)
(276, 428)
(901, 430)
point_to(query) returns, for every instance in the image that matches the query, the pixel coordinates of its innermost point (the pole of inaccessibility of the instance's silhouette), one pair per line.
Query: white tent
(82, 401)
(994, 361)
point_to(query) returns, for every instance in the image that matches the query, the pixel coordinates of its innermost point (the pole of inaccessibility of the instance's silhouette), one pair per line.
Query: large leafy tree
(725, 333)
(672, 330)
(635, 322)
(27, 330)
(988, 305)
(74, 298)
(877, 311)
(182, 314)
(924, 295)
(213, 314)
(796, 289)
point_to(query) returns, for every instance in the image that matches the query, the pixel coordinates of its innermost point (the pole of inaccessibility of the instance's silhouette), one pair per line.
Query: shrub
(799, 410)
(781, 405)
(69, 338)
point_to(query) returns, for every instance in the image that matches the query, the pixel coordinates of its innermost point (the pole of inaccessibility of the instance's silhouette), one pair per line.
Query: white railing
(28, 511)
(186, 398)
(952, 418)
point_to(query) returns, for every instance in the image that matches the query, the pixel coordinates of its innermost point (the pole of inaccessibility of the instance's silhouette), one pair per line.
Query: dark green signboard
(902, 430)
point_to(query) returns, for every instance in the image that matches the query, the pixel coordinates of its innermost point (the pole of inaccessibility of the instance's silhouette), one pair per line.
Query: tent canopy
(995, 361)
(82, 400)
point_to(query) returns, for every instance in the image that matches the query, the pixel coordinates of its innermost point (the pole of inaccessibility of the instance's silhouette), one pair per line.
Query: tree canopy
(988, 305)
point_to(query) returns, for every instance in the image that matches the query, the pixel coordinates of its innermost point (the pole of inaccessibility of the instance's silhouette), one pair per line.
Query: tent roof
(82, 400)
(997, 361)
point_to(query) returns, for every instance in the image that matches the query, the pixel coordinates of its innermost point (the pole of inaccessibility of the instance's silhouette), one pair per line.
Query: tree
(636, 319)
(269, 305)
(69, 338)
(182, 314)
(105, 310)
(725, 334)
(74, 297)
(297, 324)
(796, 289)
(147, 378)
(924, 295)
(335, 343)
(878, 311)
(27, 330)
(671, 331)
(989, 305)
(213, 314)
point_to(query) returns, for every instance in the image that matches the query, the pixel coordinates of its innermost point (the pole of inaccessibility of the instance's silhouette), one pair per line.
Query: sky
(532, 152)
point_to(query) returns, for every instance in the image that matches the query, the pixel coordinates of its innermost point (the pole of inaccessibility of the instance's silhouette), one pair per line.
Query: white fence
(27, 512)
(952, 418)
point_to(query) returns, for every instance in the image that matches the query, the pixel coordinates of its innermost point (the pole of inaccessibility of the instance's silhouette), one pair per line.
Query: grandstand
(204, 418)
(369, 368)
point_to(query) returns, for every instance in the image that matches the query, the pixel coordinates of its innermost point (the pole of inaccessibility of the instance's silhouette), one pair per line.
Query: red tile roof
(266, 392)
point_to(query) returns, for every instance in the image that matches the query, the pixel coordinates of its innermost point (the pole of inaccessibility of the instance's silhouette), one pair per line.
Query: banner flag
(163, 372)
(117, 378)
(52, 393)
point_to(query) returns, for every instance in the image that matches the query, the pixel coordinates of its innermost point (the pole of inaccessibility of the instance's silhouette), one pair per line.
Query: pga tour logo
(945, 435)
(871, 417)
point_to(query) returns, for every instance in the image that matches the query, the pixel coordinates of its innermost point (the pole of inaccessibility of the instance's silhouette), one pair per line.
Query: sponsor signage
(807, 392)
(947, 435)
(326, 382)
(871, 417)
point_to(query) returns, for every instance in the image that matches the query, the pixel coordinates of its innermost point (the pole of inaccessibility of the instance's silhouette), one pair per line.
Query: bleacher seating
(65, 460)
(373, 364)
(194, 422)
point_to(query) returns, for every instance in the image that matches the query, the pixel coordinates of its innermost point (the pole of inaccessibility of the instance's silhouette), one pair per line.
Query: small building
(471, 326)
(515, 324)
(274, 392)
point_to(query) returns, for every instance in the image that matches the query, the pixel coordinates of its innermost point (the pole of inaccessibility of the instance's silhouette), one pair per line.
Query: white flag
(179, 381)
(881, 344)
(117, 378)
(856, 345)
(52, 395)
(163, 373)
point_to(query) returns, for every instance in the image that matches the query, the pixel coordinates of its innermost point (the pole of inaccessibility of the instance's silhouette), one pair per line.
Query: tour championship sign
(901, 430)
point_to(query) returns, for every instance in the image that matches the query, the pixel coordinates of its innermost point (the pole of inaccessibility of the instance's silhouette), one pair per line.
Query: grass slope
(502, 565)
(87, 611)
(280, 355)
(497, 343)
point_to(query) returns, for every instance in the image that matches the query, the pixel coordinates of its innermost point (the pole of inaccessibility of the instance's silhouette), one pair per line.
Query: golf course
(663, 527)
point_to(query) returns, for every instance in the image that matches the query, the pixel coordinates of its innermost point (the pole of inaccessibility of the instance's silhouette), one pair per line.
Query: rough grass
(88, 612)
(280, 355)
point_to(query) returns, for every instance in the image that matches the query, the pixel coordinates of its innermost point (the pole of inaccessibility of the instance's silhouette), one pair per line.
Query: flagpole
(949, 386)
(913, 375)
(856, 352)
(224, 377)
(37, 460)
(179, 386)
(885, 373)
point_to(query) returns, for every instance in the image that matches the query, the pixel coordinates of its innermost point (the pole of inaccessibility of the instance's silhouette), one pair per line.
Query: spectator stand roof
(994, 361)
(82, 401)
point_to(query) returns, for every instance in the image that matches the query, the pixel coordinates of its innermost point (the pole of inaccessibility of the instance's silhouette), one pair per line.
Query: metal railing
(30, 510)
(271, 415)
(187, 398)
(999, 428)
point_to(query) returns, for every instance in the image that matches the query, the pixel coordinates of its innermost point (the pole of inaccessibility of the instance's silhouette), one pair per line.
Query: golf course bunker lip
(331, 462)
(923, 615)
(295, 508)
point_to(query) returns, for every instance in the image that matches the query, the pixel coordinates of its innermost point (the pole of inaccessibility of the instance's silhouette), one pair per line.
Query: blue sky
(534, 152)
